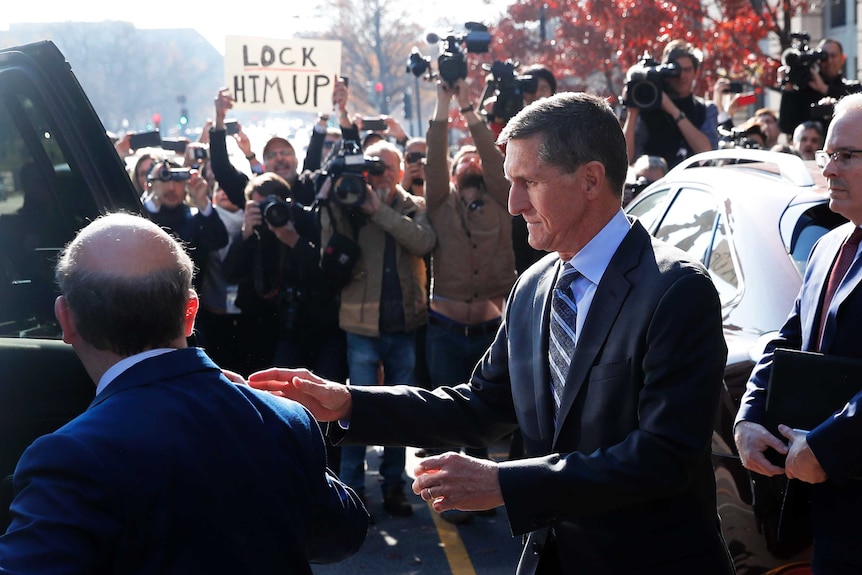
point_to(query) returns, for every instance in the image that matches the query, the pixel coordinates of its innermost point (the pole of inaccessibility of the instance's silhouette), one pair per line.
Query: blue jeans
(397, 352)
(451, 359)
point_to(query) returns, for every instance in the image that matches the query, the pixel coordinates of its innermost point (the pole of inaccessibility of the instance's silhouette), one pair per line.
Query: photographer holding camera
(198, 224)
(385, 299)
(473, 265)
(811, 82)
(674, 124)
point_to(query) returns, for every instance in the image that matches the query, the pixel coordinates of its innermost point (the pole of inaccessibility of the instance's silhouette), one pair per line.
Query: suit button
(537, 548)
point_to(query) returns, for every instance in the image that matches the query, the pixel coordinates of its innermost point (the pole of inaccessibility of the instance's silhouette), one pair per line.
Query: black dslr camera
(348, 169)
(799, 59)
(276, 211)
(452, 63)
(509, 88)
(645, 82)
(163, 172)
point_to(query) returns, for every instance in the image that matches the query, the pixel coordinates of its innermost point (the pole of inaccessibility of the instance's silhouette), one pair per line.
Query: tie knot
(855, 238)
(567, 275)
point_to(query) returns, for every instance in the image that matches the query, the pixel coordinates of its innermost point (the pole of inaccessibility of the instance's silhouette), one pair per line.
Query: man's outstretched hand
(326, 400)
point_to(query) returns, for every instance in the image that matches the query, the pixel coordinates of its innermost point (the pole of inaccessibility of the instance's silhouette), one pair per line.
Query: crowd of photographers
(387, 259)
(665, 121)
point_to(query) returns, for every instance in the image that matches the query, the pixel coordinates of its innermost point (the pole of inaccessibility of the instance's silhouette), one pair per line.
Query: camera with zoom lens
(163, 172)
(799, 59)
(452, 62)
(276, 211)
(509, 88)
(645, 82)
(348, 170)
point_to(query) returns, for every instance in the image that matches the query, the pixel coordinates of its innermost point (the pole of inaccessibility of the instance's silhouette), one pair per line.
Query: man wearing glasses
(825, 319)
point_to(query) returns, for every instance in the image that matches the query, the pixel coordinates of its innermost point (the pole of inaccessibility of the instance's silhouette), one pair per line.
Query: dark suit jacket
(173, 469)
(625, 478)
(836, 504)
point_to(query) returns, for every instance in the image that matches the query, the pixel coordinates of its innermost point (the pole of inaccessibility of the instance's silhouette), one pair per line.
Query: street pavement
(424, 543)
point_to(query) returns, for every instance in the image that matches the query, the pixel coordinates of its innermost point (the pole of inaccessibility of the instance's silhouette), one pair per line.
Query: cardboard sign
(280, 74)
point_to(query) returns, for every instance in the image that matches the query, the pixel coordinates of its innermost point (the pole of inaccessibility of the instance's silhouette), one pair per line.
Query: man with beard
(683, 124)
(279, 155)
(473, 264)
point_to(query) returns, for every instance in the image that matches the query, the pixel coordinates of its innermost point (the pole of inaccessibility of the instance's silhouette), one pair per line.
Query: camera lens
(275, 211)
(349, 190)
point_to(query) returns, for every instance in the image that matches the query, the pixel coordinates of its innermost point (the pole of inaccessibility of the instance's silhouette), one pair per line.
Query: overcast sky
(263, 18)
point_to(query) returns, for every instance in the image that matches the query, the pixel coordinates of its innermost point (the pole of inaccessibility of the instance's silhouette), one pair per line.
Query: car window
(40, 197)
(806, 223)
(690, 222)
(649, 207)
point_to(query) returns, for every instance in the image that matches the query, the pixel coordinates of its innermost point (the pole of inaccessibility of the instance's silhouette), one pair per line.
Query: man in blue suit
(617, 477)
(828, 456)
(172, 468)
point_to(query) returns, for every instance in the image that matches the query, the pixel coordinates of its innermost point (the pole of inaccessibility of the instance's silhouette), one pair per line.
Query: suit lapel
(610, 295)
(814, 284)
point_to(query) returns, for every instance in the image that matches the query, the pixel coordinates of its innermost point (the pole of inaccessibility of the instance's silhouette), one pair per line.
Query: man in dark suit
(172, 468)
(827, 456)
(616, 477)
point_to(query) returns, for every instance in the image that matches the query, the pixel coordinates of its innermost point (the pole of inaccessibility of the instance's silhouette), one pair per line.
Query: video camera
(417, 64)
(452, 63)
(348, 169)
(163, 172)
(799, 59)
(645, 82)
(739, 138)
(276, 211)
(509, 88)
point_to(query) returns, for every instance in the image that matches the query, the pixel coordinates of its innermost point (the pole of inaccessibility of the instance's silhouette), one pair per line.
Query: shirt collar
(118, 368)
(593, 259)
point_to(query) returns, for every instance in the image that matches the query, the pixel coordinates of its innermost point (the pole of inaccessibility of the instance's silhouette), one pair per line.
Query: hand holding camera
(199, 190)
(252, 219)
(645, 83)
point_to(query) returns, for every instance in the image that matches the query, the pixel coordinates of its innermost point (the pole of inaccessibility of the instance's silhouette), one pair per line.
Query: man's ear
(191, 312)
(593, 175)
(67, 322)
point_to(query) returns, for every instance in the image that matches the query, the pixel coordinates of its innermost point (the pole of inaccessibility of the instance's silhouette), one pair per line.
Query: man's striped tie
(564, 314)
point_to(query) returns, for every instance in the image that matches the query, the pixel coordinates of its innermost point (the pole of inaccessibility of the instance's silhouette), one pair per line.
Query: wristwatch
(680, 117)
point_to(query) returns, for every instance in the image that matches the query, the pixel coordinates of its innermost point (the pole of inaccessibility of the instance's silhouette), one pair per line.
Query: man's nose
(517, 200)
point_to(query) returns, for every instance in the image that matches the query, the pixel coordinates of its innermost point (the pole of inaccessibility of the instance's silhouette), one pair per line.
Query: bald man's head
(127, 283)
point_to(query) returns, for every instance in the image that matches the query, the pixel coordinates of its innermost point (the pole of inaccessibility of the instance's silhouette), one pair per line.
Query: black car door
(58, 171)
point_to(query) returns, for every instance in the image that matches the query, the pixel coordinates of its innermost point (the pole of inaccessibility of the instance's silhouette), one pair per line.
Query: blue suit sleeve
(63, 504)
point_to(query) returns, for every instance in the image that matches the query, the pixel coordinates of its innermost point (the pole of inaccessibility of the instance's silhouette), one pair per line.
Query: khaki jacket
(473, 258)
(407, 221)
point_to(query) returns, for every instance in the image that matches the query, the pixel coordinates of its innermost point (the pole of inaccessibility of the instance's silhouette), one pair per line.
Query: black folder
(806, 388)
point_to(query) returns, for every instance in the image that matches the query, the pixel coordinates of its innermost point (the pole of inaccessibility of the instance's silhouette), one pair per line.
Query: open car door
(58, 171)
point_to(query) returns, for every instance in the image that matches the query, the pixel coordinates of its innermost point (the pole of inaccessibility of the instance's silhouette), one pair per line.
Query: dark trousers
(323, 351)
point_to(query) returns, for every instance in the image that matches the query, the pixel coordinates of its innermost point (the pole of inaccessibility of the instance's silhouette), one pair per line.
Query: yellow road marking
(453, 545)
